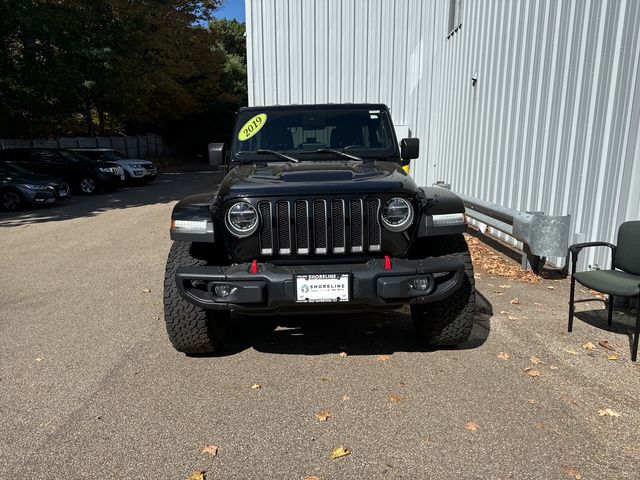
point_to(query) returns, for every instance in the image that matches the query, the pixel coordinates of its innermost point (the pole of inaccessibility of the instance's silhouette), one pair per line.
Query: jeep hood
(315, 178)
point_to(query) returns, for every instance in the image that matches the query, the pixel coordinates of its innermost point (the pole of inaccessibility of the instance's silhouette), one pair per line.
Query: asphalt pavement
(90, 387)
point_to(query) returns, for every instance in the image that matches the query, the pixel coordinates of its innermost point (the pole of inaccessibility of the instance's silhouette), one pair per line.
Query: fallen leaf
(532, 402)
(146, 290)
(503, 312)
(511, 317)
(606, 345)
(552, 367)
(613, 356)
(39, 359)
(343, 354)
(515, 301)
(607, 412)
(589, 346)
(324, 379)
(532, 372)
(340, 452)
(211, 450)
(197, 475)
(156, 318)
(572, 473)
(571, 351)
(396, 398)
(323, 415)
(345, 397)
(505, 286)
(471, 426)
(551, 287)
(535, 360)
(503, 356)
(384, 358)
(256, 386)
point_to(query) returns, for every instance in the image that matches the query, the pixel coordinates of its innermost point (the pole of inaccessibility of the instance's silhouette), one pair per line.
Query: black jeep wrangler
(316, 215)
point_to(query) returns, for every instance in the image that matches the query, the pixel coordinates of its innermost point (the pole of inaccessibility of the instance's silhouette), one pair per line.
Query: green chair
(623, 280)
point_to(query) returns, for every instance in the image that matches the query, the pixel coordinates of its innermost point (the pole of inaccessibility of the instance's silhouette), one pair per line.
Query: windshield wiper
(279, 155)
(335, 152)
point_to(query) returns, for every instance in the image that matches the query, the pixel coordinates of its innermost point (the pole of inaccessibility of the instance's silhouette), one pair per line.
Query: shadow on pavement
(624, 321)
(356, 334)
(168, 187)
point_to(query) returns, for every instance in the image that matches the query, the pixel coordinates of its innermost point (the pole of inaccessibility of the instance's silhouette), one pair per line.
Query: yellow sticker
(252, 127)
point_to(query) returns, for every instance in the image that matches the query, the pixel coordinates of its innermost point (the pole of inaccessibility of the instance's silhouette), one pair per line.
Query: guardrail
(542, 236)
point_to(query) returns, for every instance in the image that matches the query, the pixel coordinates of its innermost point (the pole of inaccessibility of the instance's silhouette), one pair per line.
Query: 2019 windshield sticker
(252, 127)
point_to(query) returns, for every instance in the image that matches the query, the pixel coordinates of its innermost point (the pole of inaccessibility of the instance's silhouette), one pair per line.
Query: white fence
(139, 146)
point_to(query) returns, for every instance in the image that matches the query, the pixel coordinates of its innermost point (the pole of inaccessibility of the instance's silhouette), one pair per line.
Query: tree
(105, 64)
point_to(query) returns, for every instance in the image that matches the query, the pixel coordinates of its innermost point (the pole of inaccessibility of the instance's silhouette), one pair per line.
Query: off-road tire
(192, 330)
(449, 321)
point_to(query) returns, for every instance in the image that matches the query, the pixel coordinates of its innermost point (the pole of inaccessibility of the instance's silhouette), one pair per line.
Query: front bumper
(272, 288)
(110, 180)
(49, 195)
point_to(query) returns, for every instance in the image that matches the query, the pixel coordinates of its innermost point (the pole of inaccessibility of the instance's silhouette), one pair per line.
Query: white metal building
(531, 104)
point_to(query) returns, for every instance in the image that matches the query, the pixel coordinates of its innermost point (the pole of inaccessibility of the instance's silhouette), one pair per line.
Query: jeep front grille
(320, 227)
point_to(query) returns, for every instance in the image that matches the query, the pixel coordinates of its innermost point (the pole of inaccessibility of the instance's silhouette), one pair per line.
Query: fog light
(224, 289)
(421, 284)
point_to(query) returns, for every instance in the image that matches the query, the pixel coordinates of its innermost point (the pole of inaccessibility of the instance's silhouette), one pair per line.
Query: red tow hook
(387, 262)
(254, 266)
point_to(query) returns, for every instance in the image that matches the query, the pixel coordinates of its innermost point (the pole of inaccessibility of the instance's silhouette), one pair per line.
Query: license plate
(322, 288)
(63, 192)
(121, 177)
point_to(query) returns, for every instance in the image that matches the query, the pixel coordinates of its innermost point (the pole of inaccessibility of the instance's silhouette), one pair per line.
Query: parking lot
(91, 388)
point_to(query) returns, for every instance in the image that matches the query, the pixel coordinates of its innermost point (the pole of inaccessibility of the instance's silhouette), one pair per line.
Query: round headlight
(242, 219)
(397, 214)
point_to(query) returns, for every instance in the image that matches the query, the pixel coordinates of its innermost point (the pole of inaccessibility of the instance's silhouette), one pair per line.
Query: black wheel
(10, 200)
(191, 329)
(449, 321)
(88, 185)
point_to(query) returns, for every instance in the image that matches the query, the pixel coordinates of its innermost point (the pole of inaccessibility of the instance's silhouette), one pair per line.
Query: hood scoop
(318, 176)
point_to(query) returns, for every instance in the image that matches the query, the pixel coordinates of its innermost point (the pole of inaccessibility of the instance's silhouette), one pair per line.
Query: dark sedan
(83, 174)
(19, 187)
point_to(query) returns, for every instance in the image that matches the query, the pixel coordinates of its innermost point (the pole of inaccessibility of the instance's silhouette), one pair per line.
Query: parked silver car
(135, 170)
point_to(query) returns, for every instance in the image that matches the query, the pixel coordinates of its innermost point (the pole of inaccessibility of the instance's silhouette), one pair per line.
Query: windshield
(361, 131)
(9, 168)
(103, 156)
(73, 156)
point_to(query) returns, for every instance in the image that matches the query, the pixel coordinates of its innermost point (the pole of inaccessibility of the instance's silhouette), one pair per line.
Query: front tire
(449, 321)
(191, 330)
(88, 185)
(10, 200)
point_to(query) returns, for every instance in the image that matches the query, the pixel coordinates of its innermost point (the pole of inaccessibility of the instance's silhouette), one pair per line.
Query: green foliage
(72, 66)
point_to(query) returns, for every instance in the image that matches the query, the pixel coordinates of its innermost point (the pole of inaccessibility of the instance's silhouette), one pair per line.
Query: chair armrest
(576, 248)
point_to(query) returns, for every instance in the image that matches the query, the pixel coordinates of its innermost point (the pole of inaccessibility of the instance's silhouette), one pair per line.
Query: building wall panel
(552, 123)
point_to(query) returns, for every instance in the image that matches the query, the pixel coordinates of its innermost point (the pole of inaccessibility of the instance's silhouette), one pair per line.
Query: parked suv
(18, 188)
(316, 215)
(135, 170)
(85, 175)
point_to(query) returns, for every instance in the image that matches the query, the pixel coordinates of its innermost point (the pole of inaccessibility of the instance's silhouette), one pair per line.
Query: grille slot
(320, 226)
(357, 221)
(266, 229)
(375, 229)
(302, 227)
(284, 229)
(338, 225)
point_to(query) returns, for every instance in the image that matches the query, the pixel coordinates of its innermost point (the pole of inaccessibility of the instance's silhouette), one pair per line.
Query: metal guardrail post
(542, 235)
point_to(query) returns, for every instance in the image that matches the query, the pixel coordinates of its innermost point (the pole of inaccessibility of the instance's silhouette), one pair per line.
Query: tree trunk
(88, 118)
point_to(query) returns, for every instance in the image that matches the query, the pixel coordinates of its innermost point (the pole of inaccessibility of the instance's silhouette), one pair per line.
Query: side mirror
(216, 153)
(409, 149)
